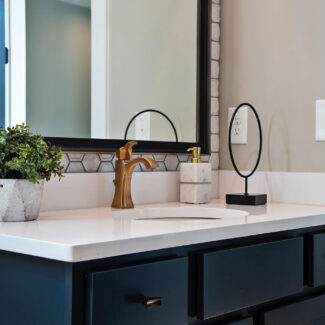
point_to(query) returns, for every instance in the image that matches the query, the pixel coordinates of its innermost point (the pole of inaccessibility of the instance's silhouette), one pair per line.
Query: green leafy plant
(24, 155)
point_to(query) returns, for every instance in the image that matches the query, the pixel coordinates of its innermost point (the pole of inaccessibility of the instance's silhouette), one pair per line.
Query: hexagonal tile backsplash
(86, 162)
(93, 163)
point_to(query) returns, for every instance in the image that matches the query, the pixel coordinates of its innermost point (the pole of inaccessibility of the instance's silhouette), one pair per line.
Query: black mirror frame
(203, 107)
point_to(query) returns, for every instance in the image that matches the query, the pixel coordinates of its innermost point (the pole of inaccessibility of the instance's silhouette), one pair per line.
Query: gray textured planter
(20, 200)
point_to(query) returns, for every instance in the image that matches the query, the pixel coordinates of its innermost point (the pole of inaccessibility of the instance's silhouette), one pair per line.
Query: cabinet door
(316, 260)
(306, 312)
(246, 321)
(241, 277)
(146, 294)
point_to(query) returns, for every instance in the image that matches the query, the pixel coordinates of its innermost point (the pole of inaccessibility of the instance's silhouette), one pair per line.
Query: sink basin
(179, 213)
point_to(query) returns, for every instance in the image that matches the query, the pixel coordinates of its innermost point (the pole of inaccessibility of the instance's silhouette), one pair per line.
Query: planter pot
(20, 200)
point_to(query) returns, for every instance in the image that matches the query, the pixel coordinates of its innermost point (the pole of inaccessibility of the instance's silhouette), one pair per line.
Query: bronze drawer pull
(152, 301)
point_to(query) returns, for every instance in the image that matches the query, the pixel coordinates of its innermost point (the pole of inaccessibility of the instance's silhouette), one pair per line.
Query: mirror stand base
(246, 199)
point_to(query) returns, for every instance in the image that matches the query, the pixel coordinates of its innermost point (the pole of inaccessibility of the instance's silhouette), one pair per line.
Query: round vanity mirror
(236, 128)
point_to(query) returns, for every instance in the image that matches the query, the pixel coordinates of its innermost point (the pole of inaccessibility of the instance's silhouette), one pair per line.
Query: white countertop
(87, 234)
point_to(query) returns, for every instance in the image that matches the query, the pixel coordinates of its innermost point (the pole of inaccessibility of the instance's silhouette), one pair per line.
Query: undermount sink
(179, 213)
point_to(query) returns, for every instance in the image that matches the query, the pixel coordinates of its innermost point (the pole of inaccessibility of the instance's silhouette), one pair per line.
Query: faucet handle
(125, 153)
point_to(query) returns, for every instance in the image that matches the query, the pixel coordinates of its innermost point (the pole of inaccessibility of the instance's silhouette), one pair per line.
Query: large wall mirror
(81, 70)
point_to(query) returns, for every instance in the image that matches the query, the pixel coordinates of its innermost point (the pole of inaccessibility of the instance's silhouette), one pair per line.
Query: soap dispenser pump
(196, 153)
(195, 179)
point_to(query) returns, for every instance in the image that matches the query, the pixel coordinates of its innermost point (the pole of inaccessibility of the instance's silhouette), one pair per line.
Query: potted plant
(25, 162)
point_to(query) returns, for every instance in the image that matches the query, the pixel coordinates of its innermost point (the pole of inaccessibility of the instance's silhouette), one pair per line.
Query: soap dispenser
(195, 179)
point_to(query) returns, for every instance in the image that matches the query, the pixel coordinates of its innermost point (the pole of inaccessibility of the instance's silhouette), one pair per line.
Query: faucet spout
(123, 174)
(148, 163)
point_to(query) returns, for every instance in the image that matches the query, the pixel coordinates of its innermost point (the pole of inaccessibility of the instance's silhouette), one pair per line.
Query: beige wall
(273, 56)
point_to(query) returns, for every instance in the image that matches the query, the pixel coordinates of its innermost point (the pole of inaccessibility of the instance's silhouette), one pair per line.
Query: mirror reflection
(90, 66)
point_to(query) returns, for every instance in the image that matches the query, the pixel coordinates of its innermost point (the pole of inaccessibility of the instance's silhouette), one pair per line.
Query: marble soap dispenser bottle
(195, 179)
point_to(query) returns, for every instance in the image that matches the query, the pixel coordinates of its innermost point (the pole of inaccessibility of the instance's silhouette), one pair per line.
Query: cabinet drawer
(246, 321)
(245, 276)
(119, 296)
(316, 260)
(307, 312)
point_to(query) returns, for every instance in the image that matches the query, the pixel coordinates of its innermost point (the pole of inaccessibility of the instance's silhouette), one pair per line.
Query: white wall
(91, 190)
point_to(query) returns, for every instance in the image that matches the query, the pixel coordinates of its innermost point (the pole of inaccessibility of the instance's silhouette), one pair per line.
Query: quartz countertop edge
(90, 234)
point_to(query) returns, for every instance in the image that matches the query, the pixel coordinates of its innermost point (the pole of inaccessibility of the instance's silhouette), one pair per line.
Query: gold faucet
(123, 173)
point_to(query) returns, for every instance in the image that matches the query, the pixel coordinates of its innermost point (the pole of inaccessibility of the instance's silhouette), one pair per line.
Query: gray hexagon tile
(65, 162)
(75, 156)
(214, 69)
(214, 160)
(215, 13)
(161, 168)
(159, 157)
(91, 162)
(214, 124)
(205, 158)
(106, 156)
(183, 158)
(214, 106)
(106, 167)
(138, 167)
(143, 167)
(171, 162)
(215, 50)
(214, 87)
(75, 167)
(215, 32)
(214, 141)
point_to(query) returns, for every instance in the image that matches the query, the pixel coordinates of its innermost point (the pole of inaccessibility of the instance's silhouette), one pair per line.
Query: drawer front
(246, 321)
(153, 293)
(316, 260)
(245, 276)
(307, 312)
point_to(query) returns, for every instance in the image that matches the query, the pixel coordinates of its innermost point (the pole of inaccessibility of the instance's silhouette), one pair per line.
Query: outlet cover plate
(239, 126)
(320, 120)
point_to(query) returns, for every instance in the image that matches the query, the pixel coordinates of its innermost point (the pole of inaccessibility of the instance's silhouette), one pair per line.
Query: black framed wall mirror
(88, 67)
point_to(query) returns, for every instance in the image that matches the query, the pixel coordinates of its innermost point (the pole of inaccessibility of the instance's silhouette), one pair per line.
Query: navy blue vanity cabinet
(146, 294)
(240, 277)
(241, 281)
(307, 312)
(316, 259)
(34, 291)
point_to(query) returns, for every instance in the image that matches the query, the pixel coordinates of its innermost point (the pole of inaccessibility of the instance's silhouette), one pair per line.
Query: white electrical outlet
(320, 120)
(239, 126)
